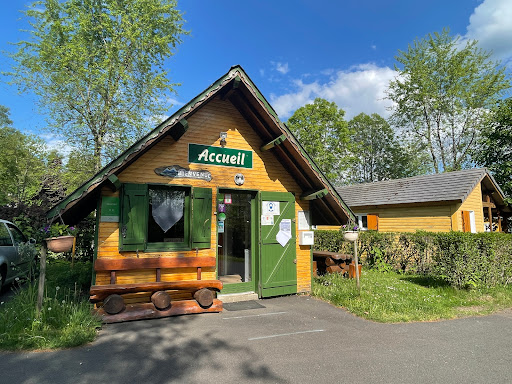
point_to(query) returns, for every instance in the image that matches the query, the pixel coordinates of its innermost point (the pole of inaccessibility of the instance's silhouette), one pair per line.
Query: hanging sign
(227, 198)
(271, 208)
(221, 208)
(285, 232)
(220, 227)
(175, 172)
(222, 216)
(227, 157)
(109, 209)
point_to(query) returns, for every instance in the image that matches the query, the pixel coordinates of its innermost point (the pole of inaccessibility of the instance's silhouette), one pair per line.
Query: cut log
(113, 304)
(161, 300)
(147, 311)
(99, 292)
(204, 297)
(329, 262)
(334, 269)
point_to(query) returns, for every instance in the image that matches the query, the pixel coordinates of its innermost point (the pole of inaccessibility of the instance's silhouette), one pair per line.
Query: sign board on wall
(109, 209)
(227, 157)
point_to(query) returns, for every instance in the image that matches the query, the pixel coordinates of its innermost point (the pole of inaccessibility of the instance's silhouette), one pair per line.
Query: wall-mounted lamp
(223, 137)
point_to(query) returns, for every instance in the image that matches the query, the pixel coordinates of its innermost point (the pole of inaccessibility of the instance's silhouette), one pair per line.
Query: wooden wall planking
(267, 174)
(472, 203)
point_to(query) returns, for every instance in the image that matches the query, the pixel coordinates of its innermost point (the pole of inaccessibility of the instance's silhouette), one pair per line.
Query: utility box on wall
(306, 238)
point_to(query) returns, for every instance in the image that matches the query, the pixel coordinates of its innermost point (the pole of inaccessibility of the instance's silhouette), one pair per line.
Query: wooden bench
(114, 308)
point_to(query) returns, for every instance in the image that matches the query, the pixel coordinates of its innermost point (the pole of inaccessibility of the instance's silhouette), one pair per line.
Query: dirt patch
(472, 309)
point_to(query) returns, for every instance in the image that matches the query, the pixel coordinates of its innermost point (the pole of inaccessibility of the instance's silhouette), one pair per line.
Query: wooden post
(42, 276)
(73, 252)
(357, 267)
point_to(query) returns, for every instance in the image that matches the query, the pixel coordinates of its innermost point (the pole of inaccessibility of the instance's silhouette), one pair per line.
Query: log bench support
(114, 308)
(334, 262)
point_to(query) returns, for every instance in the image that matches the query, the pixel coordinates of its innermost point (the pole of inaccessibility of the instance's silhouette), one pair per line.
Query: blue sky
(294, 50)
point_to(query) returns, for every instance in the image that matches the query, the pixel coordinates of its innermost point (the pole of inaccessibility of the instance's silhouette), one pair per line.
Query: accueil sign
(227, 157)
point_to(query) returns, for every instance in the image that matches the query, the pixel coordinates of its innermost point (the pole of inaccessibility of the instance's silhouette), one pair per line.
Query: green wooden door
(278, 259)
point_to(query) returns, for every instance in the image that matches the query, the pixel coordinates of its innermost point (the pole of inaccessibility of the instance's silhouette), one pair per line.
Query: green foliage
(21, 166)
(494, 149)
(322, 131)
(98, 68)
(395, 297)
(377, 153)
(442, 93)
(65, 320)
(464, 260)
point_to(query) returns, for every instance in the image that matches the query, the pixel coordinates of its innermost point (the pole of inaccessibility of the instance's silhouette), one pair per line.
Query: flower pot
(351, 235)
(60, 244)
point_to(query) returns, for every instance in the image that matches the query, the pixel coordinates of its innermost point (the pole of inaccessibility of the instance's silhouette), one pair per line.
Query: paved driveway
(292, 339)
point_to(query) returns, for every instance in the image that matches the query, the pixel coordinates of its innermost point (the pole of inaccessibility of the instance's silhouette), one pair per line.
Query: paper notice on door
(283, 238)
(285, 232)
(267, 219)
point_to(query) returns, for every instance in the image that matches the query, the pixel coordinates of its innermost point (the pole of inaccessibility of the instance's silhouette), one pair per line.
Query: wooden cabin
(217, 199)
(469, 200)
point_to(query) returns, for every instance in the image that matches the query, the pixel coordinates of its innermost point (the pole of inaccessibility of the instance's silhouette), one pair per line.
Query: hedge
(462, 259)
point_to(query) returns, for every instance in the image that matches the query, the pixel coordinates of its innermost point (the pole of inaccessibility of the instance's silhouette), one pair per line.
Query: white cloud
(57, 143)
(491, 25)
(281, 67)
(359, 89)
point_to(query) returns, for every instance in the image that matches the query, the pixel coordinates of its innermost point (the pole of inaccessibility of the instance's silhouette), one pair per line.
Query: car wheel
(3, 274)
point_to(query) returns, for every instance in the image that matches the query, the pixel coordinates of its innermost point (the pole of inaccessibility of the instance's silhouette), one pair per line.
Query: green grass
(65, 319)
(391, 297)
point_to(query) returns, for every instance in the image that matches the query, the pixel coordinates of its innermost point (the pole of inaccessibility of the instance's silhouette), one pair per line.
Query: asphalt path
(293, 339)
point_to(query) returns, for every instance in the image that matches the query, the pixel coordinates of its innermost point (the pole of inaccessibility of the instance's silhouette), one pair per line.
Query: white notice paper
(267, 219)
(304, 221)
(271, 208)
(285, 232)
(283, 238)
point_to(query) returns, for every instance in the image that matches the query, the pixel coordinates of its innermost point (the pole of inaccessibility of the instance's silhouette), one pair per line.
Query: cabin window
(167, 218)
(366, 221)
(164, 218)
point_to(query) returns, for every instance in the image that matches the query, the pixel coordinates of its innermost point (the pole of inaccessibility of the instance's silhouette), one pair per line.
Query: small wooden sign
(177, 172)
(109, 209)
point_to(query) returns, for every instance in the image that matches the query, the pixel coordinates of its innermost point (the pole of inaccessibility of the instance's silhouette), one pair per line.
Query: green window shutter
(134, 217)
(201, 217)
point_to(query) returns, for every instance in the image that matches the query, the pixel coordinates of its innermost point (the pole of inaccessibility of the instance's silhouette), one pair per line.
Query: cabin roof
(238, 88)
(448, 187)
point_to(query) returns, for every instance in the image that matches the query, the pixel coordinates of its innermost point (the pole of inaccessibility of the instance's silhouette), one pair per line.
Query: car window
(5, 238)
(17, 235)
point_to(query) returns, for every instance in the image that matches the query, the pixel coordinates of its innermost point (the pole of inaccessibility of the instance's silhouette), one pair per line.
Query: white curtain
(167, 207)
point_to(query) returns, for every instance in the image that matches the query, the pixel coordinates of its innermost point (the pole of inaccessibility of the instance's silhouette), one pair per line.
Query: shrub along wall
(462, 259)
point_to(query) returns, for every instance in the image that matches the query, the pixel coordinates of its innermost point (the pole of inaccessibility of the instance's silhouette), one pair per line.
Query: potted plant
(60, 237)
(350, 231)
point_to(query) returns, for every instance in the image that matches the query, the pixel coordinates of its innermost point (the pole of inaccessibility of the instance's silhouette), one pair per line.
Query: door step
(236, 297)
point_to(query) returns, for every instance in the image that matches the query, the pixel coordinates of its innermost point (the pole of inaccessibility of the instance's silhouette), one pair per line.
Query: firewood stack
(333, 262)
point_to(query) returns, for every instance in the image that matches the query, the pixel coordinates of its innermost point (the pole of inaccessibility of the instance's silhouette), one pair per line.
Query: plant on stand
(351, 233)
(59, 237)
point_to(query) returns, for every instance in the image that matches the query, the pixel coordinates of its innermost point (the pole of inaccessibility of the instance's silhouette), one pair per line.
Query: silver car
(16, 253)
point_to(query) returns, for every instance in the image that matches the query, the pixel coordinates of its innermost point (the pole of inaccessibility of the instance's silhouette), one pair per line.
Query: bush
(464, 260)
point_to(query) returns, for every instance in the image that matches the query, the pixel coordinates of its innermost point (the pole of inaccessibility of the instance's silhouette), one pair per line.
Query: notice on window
(285, 232)
(271, 208)
(304, 223)
(267, 219)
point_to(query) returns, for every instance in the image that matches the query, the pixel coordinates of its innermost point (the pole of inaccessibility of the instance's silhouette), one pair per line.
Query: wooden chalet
(469, 200)
(219, 197)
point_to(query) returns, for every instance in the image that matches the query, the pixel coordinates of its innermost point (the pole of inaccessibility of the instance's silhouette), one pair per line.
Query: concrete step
(236, 297)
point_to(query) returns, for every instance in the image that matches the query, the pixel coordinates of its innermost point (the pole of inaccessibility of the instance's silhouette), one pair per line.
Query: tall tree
(97, 67)
(377, 153)
(494, 149)
(441, 95)
(21, 163)
(322, 130)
